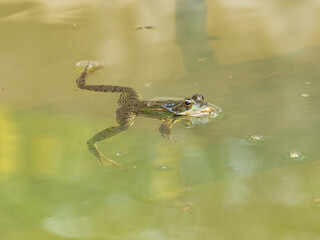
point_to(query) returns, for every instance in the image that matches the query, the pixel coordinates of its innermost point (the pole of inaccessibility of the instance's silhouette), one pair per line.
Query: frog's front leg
(165, 130)
(125, 120)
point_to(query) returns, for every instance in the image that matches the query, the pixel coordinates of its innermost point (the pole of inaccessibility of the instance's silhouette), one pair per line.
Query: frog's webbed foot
(125, 119)
(106, 161)
(165, 130)
(173, 139)
(91, 68)
(95, 151)
(92, 146)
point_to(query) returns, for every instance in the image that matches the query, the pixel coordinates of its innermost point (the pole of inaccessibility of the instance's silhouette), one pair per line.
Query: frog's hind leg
(165, 130)
(81, 83)
(125, 120)
(93, 148)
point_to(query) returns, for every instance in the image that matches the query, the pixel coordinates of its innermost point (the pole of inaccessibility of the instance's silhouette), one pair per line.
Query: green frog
(131, 105)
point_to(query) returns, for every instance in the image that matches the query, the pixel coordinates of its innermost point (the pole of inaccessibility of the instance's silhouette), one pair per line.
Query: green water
(258, 61)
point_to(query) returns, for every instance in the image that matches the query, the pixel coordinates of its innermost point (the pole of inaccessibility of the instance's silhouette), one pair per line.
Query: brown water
(258, 61)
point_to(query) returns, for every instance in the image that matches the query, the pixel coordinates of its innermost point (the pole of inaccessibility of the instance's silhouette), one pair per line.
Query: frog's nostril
(204, 104)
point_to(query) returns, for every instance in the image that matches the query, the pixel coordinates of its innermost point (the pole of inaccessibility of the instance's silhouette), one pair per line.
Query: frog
(131, 105)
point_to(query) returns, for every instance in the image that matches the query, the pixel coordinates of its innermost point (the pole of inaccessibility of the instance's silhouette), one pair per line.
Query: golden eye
(187, 103)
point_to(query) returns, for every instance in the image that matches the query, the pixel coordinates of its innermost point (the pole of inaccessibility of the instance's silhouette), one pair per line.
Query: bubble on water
(165, 167)
(304, 95)
(295, 155)
(120, 154)
(307, 83)
(256, 139)
(230, 169)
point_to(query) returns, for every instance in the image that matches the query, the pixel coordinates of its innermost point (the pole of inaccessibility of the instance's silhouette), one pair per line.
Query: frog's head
(193, 107)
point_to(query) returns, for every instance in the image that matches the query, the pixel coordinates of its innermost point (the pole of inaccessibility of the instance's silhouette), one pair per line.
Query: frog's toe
(92, 68)
(175, 140)
(89, 66)
(106, 161)
(172, 139)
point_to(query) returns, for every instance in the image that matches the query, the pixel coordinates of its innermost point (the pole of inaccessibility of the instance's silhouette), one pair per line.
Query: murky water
(252, 175)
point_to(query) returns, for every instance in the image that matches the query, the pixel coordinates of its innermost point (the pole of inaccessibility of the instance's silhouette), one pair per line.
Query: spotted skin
(130, 105)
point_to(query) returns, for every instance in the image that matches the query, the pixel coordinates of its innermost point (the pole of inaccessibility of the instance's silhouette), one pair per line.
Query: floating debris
(256, 139)
(214, 38)
(315, 199)
(147, 27)
(201, 59)
(304, 95)
(147, 85)
(185, 207)
(307, 83)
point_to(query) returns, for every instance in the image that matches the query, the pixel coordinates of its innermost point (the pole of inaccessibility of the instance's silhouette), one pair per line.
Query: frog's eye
(187, 103)
(197, 97)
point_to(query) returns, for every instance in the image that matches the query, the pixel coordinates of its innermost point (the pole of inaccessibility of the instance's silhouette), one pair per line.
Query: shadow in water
(192, 37)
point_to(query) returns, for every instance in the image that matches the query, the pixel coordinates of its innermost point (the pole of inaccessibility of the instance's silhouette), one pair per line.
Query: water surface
(258, 61)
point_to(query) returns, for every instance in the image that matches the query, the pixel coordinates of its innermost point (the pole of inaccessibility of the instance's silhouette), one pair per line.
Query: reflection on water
(252, 175)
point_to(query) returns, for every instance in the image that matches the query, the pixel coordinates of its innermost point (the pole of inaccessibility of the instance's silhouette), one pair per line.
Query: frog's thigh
(125, 118)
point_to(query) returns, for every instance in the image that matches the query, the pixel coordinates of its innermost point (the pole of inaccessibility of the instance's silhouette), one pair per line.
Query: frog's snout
(207, 109)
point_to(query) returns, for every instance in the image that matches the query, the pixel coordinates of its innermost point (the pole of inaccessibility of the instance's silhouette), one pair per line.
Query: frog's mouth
(210, 110)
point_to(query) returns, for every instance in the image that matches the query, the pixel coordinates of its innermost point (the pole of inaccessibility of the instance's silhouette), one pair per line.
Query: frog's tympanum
(189, 111)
